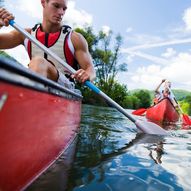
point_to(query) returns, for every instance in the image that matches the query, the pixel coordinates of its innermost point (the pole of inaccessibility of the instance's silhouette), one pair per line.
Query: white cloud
(177, 71)
(129, 29)
(73, 17)
(187, 18)
(142, 39)
(147, 57)
(170, 52)
(145, 75)
(159, 44)
(32, 8)
(175, 36)
(180, 69)
(77, 18)
(106, 29)
(129, 58)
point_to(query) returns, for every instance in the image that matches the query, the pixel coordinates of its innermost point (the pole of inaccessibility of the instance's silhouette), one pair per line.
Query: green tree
(106, 62)
(131, 102)
(90, 37)
(188, 101)
(144, 97)
(136, 102)
(128, 102)
(105, 56)
(185, 106)
(117, 91)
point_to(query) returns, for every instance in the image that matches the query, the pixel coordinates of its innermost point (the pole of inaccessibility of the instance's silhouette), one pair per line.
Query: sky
(156, 35)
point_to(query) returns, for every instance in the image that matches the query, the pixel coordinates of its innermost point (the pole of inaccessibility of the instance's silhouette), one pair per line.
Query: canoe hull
(163, 112)
(36, 127)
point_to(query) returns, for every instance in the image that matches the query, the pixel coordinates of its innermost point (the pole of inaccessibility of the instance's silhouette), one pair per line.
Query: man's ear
(43, 3)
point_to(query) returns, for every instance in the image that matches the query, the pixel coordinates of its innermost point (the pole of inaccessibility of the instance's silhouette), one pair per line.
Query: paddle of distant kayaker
(55, 36)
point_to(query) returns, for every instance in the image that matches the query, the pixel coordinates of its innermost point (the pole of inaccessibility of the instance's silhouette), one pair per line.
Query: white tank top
(60, 43)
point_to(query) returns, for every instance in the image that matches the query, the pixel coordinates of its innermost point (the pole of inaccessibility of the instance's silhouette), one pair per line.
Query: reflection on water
(111, 155)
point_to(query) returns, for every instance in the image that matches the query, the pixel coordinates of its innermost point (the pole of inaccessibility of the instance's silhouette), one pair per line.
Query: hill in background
(179, 94)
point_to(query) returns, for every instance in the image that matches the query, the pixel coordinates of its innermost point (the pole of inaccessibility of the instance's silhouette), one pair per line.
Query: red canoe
(163, 112)
(39, 119)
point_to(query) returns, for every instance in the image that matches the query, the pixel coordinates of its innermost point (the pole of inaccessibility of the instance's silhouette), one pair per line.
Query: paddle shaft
(175, 100)
(185, 118)
(109, 100)
(70, 69)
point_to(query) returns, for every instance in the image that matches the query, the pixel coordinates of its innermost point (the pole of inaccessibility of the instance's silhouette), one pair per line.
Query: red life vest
(60, 43)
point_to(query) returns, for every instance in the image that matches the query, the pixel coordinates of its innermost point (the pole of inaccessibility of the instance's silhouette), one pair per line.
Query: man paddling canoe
(159, 95)
(69, 45)
(146, 127)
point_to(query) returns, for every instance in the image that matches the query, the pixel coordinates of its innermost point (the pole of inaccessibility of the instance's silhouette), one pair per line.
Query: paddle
(147, 127)
(185, 118)
(140, 111)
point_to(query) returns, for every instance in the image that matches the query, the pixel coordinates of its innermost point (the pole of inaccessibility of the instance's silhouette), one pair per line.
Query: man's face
(54, 10)
(166, 92)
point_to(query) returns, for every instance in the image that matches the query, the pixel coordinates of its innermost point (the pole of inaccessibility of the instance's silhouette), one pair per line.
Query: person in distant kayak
(159, 95)
(61, 39)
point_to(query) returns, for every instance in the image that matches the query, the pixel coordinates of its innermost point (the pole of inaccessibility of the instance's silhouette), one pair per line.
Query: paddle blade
(186, 120)
(150, 128)
(140, 111)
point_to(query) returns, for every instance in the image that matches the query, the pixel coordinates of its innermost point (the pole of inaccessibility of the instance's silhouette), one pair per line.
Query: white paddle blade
(150, 128)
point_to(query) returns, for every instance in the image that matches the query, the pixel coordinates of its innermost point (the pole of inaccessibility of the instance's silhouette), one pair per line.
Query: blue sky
(156, 35)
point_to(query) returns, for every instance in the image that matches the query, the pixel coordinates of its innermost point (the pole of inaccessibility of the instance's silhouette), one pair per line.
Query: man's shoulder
(34, 28)
(66, 28)
(77, 35)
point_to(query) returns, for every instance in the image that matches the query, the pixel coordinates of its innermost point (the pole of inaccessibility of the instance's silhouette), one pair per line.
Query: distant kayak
(163, 112)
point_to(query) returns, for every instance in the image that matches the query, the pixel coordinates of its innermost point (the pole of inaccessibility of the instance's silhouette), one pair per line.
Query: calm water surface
(110, 155)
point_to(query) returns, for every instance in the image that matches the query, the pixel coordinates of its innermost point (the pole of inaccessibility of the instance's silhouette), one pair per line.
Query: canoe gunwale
(163, 100)
(17, 74)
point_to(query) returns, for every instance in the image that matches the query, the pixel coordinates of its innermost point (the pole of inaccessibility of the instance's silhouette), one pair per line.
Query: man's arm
(157, 88)
(82, 55)
(11, 39)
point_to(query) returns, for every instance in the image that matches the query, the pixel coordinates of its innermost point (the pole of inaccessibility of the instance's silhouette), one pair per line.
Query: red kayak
(162, 112)
(39, 119)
